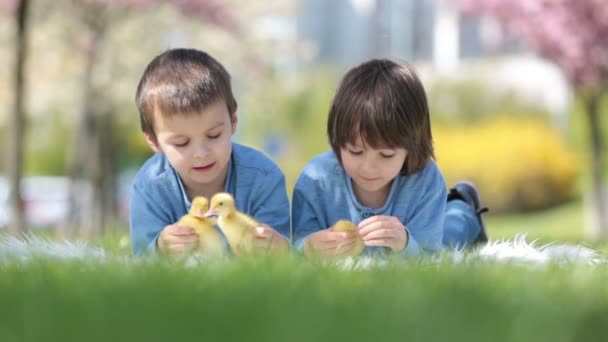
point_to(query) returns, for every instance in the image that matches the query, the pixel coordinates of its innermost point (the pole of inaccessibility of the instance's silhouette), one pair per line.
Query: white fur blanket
(517, 250)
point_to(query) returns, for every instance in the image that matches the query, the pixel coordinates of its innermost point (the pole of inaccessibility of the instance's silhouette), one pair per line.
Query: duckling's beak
(210, 213)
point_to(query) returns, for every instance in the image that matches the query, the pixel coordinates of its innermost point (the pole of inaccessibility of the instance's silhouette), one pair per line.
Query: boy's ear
(151, 140)
(234, 120)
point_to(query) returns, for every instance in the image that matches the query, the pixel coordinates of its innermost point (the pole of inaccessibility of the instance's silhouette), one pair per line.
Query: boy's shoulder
(156, 168)
(430, 175)
(249, 159)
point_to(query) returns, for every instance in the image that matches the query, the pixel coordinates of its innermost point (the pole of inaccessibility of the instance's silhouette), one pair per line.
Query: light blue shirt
(158, 197)
(323, 195)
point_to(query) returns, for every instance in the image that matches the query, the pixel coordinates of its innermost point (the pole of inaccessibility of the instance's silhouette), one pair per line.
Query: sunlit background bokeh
(504, 117)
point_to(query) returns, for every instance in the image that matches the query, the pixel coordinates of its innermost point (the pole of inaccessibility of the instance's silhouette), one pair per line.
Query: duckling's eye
(221, 203)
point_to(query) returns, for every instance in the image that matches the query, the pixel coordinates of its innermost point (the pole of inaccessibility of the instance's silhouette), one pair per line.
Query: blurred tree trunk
(592, 108)
(110, 178)
(17, 124)
(83, 165)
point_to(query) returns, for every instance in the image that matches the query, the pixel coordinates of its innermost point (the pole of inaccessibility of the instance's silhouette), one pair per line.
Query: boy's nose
(201, 151)
(369, 164)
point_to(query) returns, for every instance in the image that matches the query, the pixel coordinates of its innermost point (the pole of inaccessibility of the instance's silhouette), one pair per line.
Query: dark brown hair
(181, 81)
(385, 103)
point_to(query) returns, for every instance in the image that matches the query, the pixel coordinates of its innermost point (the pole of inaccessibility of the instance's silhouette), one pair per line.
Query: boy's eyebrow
(218, 124)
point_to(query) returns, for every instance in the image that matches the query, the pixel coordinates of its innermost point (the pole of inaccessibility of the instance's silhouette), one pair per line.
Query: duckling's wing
(247, 221)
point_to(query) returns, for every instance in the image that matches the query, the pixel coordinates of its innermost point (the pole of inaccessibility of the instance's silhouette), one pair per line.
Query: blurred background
(516, 89)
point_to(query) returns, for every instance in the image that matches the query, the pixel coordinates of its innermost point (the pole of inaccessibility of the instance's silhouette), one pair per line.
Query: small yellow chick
(351, 230)
(210, 241)
(237, 226)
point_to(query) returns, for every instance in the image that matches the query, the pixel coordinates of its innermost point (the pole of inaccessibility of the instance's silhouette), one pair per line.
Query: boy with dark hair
(380, 173)
(188, 115)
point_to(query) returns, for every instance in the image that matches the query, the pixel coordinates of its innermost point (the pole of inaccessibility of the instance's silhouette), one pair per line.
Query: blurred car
(45, 200)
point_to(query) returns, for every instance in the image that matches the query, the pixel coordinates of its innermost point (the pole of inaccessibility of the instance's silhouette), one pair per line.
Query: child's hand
(328, 243)
(385, 231)
(175, 240)
(267, 239)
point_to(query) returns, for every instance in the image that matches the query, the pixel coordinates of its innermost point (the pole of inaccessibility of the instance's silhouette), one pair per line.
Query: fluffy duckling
(351, 230)
(237, 226)
(209, 239)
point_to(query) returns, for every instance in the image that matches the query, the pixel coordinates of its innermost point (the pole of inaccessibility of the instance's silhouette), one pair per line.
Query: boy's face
(372, 170)
(198, 146)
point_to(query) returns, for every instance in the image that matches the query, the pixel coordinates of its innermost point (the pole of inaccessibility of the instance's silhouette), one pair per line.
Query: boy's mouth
(369, 179)
(203, 168)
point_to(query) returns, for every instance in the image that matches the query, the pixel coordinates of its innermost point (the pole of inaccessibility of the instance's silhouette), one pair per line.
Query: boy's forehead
(206, 119)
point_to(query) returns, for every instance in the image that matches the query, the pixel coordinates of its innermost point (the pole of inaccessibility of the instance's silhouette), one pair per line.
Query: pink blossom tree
(573, 34)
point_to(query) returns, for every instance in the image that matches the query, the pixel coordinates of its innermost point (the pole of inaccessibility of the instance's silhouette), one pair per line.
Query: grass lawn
(296, 300)
(563, 223)
(291, 299)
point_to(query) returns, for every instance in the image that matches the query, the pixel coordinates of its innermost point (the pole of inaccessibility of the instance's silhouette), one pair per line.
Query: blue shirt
(323, 195)
(159, 199)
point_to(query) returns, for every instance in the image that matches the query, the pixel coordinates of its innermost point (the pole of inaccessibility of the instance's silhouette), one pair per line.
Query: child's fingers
(377, 222)
(370, 227)
(380, 224)
(263, 232)
(180, 239)
(181, 230)
(380, 234)
(330, 236)
(369, 221)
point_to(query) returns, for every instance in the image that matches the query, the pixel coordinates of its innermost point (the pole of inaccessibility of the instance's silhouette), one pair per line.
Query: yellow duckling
(351, 230)
(237, 226)
(209, 239)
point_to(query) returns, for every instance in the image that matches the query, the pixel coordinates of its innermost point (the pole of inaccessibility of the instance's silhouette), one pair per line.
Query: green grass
(295, 300)
(292, 299)
(562, 224)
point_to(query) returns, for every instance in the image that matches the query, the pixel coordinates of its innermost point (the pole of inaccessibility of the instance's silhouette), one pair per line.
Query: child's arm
(271, 207)
(425, 227)
(147, 220)
(304, 220)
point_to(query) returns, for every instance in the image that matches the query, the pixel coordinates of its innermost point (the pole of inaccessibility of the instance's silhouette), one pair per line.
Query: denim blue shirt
(323, 195)
(158, 197)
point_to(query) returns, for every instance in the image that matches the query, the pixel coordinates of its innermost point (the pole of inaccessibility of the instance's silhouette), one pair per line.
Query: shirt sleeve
(147, 219)
(272, 205)
(305, 220)
(425, 228)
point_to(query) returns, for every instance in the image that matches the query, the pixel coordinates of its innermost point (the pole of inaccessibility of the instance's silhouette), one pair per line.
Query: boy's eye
(214, 136)
(355, 153)
(387, 156)
(181, 144)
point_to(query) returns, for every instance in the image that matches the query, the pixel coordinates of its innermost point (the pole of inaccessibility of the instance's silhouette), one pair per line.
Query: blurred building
(347, 31)
(433, 35)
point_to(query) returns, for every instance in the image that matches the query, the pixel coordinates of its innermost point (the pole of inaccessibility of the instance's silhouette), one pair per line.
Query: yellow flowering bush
(517, 163)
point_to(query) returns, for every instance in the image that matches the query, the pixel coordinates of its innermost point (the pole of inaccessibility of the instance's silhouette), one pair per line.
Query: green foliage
(517, 164)
(131, 147)
(295, 300)
(294, 111)
(48, 144)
